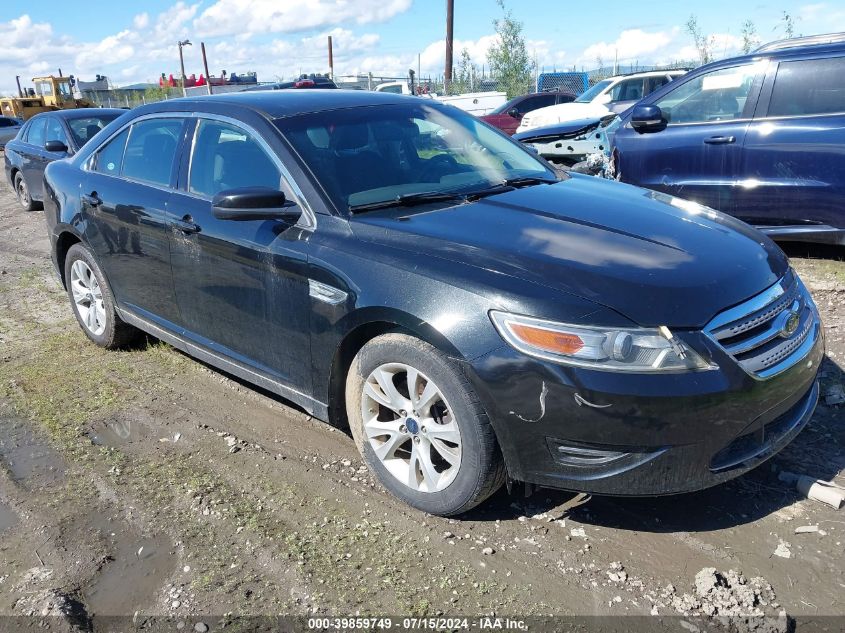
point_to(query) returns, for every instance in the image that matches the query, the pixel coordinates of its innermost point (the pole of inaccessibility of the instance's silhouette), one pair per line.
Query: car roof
(651, 73)
(794, 48)
(802, 42)
(276, 104)
(80, 113)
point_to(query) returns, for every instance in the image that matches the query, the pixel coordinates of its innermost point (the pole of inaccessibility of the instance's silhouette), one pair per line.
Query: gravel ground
(142, 482)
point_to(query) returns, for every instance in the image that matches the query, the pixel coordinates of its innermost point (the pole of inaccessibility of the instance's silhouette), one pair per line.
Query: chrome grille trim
(754, 333)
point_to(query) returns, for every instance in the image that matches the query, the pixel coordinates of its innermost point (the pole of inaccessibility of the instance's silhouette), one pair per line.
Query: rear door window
(227, 157)
(37, 132)
(109, 159)
(807, 87)
(151, 150)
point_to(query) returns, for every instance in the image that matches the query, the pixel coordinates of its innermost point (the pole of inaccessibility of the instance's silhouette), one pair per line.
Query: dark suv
(761, 137)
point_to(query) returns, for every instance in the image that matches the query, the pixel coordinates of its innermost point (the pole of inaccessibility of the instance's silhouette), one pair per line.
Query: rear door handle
(186, 225)
(720, 140)
(92, 199)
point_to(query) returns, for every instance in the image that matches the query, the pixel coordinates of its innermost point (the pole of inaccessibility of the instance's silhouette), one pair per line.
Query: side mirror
(56, 147)
(254, 203)
(645, 118)
(514, 113)
(604, 98)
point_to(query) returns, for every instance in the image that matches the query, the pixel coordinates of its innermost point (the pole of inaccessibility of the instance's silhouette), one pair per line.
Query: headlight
(623, 349)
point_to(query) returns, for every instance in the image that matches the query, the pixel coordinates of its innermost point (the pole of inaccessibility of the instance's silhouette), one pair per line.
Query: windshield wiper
(525, 181)
(425, 197)
(408, 200)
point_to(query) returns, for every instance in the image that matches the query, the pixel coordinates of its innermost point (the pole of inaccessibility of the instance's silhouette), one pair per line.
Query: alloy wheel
(88, 297)
(23, 193)
(410, 427)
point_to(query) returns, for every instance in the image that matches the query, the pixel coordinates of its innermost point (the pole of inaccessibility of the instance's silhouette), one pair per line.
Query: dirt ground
(142, 482)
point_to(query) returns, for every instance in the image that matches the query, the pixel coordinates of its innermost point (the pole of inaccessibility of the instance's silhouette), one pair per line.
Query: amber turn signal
(559, 342)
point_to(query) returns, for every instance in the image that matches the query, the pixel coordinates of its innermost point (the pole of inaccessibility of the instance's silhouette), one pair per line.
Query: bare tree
(703, 43)
(749, 36)
(466, 77)
(788, 24)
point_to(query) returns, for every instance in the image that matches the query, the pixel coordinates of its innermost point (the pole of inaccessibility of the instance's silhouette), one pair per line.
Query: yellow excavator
(50, 93)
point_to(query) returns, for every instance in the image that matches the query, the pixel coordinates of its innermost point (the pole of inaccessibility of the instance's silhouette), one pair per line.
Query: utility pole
(205, 66)
(331, 59)
(182, 43)
(450, 23)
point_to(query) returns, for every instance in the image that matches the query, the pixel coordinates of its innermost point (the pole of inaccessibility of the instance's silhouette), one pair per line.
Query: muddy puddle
(28, 458)
(135, 569)
(118, 431)
(7, 517)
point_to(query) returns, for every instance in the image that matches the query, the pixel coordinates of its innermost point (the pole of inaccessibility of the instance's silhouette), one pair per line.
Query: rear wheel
(420, 427)
(93, 301)
(22, 192)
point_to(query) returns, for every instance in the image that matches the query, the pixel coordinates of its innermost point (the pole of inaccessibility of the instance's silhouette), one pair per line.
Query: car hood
(561, 113)
(558, 129)
(656, 259)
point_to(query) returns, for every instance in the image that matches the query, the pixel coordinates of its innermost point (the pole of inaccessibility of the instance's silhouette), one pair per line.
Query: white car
(609, 96)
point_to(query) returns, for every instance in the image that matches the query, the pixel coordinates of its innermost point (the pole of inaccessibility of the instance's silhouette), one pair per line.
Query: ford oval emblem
(791, 324)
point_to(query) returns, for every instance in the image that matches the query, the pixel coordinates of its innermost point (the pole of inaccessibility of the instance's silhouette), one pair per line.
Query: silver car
(9, 129)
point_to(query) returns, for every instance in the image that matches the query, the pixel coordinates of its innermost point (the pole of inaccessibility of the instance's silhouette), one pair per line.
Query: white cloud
(141, 21)
(344, 41)
(114, 48)
(631, 44)
(226, 17)
(433, 56)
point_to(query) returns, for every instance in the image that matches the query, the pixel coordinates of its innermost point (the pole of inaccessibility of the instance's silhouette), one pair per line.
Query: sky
(279, 39)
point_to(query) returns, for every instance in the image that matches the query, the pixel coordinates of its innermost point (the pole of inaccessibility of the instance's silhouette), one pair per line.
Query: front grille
(769, 332)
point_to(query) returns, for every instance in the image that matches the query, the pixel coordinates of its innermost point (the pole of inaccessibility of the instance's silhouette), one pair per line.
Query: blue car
(761, 137)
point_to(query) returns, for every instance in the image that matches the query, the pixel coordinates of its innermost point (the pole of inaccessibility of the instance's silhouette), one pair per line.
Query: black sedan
(397, 265)
(47, 137)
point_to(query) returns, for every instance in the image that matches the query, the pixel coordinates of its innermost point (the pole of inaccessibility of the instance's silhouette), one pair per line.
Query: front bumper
(642, 435)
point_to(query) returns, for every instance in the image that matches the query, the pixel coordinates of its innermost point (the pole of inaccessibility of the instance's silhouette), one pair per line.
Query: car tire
(436, 452)
(22, 192)
(93, 301)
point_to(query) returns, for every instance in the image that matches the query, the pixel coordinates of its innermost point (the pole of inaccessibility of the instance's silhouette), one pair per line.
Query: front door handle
(92, 199)
(720, 140)
(186, 225)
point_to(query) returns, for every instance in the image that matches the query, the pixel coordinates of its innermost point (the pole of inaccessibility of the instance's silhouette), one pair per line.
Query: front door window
(720, 95)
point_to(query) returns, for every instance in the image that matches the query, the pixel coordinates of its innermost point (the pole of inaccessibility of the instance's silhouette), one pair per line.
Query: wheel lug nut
(423, 429)
(403, 412)
(403, 429)
(416, 439)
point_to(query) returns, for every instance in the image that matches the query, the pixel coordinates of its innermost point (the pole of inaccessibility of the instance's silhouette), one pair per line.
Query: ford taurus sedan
(47, 137)
(397, 265)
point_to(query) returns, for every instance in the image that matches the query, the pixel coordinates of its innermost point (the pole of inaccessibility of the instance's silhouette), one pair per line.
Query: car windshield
(373, 155)
(593, 92)
(84, 129)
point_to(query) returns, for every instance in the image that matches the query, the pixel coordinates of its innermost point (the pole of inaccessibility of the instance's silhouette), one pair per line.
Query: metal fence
(573, 82)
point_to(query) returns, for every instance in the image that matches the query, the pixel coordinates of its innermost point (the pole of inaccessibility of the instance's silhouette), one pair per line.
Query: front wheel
(420, 427)
(22, 192)
(93, 302)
